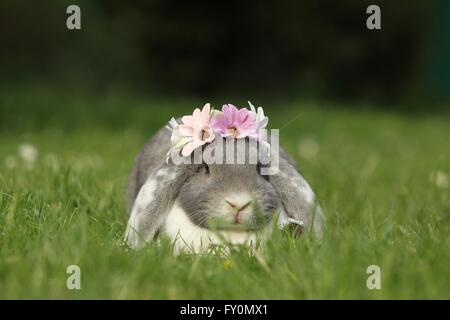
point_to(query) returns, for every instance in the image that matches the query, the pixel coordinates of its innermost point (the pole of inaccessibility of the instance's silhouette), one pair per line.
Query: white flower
(177, 140)
(28, 153)
(193, 132)
(261, 123)
(261, 119)
(440, 179)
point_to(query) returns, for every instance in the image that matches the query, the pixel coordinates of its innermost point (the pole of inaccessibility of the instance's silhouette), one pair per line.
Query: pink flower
(200, 127)
(195, 131)
(236, 123)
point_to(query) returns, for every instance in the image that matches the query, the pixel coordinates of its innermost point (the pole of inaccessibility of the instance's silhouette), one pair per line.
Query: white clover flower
(440, 179)
(28, 153)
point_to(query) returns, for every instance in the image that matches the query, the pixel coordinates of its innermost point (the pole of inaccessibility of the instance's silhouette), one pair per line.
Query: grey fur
(199, 192)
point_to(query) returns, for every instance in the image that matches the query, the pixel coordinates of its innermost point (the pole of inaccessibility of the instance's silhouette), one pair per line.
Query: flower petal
(173, 123)
(186, 130)
(188, 148)
(206, 113)
(188, 120)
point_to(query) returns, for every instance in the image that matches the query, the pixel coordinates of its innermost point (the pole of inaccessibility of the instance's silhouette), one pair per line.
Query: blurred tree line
(309, 48)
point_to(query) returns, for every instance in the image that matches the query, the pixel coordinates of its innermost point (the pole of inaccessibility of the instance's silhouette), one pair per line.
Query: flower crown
(201, 127)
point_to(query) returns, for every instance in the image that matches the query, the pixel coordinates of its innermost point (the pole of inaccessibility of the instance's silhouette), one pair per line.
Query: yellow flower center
(233, 131)
(204, 134)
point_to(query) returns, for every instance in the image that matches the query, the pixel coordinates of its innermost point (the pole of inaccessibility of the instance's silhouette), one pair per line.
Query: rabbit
(200, 206)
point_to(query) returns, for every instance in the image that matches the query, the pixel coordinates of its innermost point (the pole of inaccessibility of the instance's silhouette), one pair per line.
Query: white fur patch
(133, 235)
(162, 172)
(189, 237)
(307, 192)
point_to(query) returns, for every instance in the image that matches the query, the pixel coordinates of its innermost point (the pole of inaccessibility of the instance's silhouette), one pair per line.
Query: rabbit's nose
(237, 207)
(238, 202)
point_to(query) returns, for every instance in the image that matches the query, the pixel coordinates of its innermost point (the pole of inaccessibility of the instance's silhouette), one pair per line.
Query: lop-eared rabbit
(199, 206)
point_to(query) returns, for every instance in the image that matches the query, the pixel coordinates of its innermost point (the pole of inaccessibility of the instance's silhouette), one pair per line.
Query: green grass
(382, 179)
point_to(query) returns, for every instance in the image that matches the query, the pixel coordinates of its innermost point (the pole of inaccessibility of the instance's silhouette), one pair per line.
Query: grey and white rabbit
(199, 206)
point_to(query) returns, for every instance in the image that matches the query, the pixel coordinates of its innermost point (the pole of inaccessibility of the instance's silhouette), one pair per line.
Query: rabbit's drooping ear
(298, 199)
(152, 204)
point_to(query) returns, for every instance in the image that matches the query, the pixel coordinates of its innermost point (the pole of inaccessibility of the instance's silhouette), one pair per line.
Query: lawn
(382, 179)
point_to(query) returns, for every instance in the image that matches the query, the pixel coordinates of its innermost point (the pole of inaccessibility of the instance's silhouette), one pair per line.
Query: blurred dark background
(318, 49)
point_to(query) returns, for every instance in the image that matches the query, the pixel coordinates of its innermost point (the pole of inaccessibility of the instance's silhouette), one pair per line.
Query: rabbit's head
(223, 196)
(228, 196)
